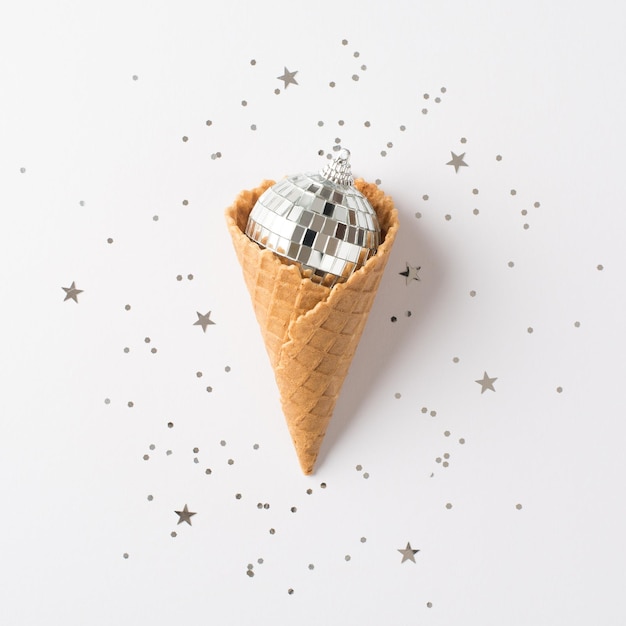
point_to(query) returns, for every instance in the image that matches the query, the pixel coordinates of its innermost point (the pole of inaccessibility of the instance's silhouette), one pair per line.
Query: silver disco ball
(319, 222)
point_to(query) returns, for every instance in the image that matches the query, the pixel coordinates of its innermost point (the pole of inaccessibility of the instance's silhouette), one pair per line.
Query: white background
(103, 153)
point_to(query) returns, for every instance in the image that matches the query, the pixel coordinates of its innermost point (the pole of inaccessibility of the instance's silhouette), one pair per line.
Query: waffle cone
(310, 331)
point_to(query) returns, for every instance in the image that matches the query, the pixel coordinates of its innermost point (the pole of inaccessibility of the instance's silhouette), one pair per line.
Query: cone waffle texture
(311, 332)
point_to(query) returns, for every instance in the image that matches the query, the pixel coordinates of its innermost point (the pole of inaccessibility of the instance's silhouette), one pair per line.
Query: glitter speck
(244, 103)
(475, 192)
(429, 605)
(498, 157)
(455, 359)
(331, 83)
(511, 264)
(109, 240)
(125, 555)
(559, 389)
(150, 498)
(347, 557)
(290, 591)
(397, 395)
(311, 566)
(424, 111)
(513, 192)
(461, 441)
(518, 507)
(252, 61)
(355, 77)
(448, 505)
(170, 424)
(366, 475)
(475, 211)
(227, 368)
(185, 138)
(530, 330)
(363, 539)
(22, 170)
(600, 267)
(230, 461)
(472, 293)
(577, 324)
(155, 218)
(255, 446)
(209, 122)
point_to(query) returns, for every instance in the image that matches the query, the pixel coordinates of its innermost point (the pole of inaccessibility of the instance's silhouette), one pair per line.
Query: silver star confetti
(184, 516)
(71, 293)
(288, 78)
(408, 553)
(410, 273)
(486, 383)
(457, 161)
(204, 320)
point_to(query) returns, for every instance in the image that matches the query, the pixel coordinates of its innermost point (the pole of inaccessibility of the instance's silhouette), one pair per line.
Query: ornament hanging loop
(338, 171)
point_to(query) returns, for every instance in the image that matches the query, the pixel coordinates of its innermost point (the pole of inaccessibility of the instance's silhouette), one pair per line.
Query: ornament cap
(338, 171)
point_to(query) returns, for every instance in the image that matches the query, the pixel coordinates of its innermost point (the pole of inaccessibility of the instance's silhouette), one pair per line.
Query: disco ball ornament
(317, 221)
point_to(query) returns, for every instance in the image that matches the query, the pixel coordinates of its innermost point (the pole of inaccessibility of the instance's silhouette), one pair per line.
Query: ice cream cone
(310, 331)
